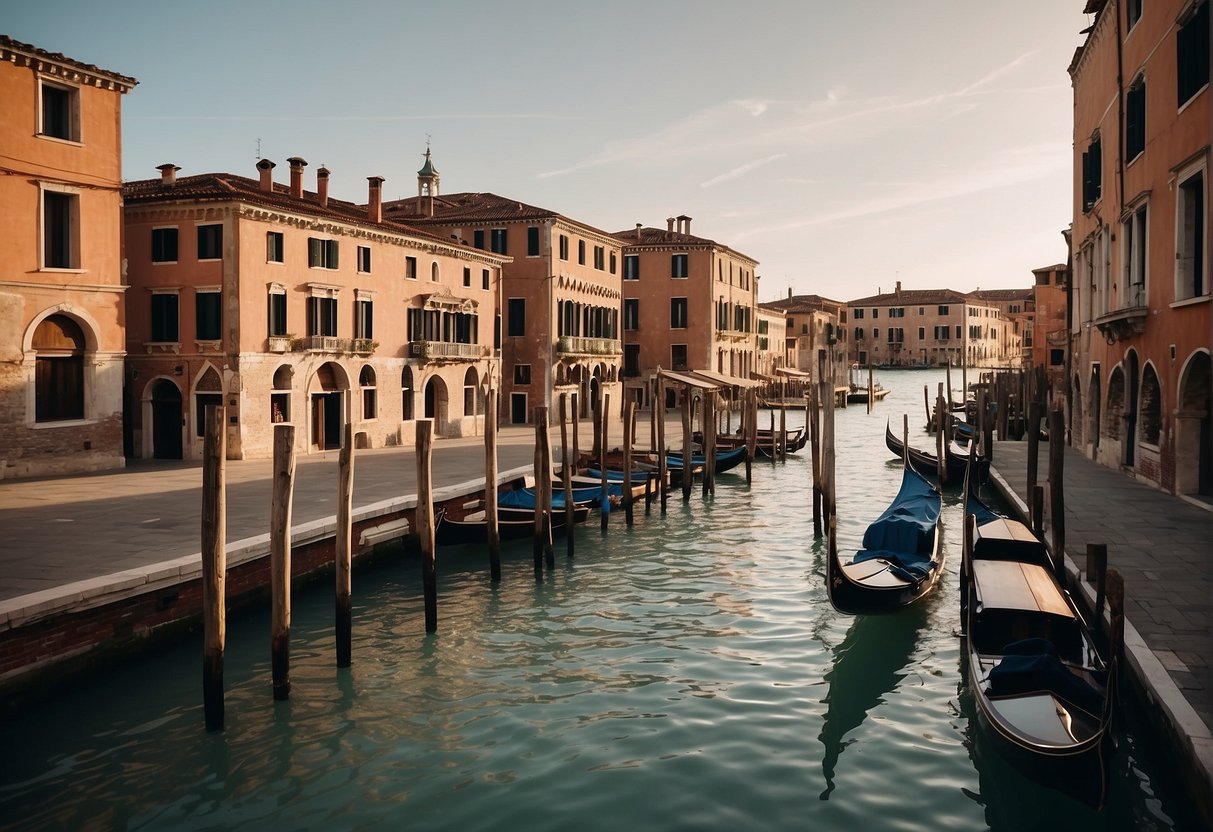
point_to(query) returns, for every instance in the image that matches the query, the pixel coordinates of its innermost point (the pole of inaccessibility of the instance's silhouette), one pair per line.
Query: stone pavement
(1162, 546)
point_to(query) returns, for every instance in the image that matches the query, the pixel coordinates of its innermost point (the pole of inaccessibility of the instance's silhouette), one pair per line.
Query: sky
(843, 145)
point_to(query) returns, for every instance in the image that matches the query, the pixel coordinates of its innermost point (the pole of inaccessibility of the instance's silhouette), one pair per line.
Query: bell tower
(427, 185)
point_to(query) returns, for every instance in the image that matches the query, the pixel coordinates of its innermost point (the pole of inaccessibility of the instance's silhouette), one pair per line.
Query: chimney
(168, 175)
(897, 290)
(322, 186)
(266, 168)
(297, 166)
(789, 293)
(374, 203)
(684, 224)
(669, 224)
(638, 227)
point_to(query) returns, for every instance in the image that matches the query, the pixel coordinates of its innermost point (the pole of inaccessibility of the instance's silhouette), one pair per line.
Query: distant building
(815, 334)
(927, 328)
(290, 306)
(1017, 308)
(560, 296)
(771, 353)
(1050, 332)
(1141, 319)
(688, 304)
(62, 293)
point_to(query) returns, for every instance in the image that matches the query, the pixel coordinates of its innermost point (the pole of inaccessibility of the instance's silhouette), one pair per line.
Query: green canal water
(688, 673)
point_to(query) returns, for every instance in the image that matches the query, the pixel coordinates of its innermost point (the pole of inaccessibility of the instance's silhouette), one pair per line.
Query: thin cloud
(429, 117)
(741, 170)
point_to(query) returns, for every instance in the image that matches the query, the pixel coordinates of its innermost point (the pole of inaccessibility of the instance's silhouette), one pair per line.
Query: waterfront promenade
(1162, 546)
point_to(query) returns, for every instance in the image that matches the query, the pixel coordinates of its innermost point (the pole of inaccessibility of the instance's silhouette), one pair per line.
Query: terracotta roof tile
(911, 297)
(7, 43)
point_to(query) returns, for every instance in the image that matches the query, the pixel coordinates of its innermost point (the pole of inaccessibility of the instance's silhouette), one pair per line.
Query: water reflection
(868, 663)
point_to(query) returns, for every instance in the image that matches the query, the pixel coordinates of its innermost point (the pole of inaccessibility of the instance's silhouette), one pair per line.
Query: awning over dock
(687, 380)
(725, 381)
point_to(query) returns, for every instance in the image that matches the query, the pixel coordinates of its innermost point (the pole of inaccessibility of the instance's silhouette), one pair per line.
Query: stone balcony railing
(1123, 323)
(322, 343)
(446, 351)
(574, 345)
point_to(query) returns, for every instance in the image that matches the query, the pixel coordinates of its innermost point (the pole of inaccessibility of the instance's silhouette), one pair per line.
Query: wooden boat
(582, 482)
(725, 460)
(795, 440)
(900, 561)
(512, 524)
(526, 497)
(955, 454)
(1041, 686)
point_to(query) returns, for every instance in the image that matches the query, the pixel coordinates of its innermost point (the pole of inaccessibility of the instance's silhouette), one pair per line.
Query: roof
(1057, 267)
(1004, 294)
(8, 46)
(470, 207)
(723, 380)
(910, 297)
(646, 236)
(801, 303)
(688, 380)
(219, 187)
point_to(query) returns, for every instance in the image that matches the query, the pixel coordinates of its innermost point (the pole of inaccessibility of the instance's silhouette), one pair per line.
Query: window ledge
(164, 262)
(60, 140)
(1191, 98)
(1190, 301)
(162, 347)
(209, 346)
(66, 423)
(62, 270)
(210, 259)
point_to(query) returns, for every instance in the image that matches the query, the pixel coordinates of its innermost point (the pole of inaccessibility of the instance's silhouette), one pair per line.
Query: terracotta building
(1141, 331)
(1050, 330)
(61, 286)
(1017, 309)
(688, 304)
(560, 295)
(291, 306)
(815, 334)
(926, 328)
(771, 353)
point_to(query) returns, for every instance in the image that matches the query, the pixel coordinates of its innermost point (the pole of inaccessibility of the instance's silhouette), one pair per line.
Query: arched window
(1151, 406)
(469, 392)
(434, 271)
(58, 370)
(1116, 404)
(406, 394)
(280, 399)
(366, 380)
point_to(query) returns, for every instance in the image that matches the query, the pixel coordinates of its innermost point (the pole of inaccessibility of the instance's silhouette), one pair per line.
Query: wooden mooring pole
(280, 559)
(747, 428)
(627, 463)
(604, 509)
(344, 554)
(783, 423)
(425, 522)
(566, 476)
(214, 565)
(491, 517)
(687, 404)
(663, 469)
(941, 440)
(1033, 445)
(1057, 494)
(543, 494)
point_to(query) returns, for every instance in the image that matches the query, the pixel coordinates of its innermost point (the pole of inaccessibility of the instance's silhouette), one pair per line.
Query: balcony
(279, 343)
(573, 345)
(1122, 323)
(446, 351)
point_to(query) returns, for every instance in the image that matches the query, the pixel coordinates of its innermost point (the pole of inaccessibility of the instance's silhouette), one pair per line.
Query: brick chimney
(374, 202)
(266, 168)
(669, 224)
(638, 227)
(297, 166)
(684, 224)
(322, 186)
(897, 289)
(168, 175)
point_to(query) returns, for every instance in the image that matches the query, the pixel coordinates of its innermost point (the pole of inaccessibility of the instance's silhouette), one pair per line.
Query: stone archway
(164, 409)
(327, 390)
(1194, 427)
(436, 403)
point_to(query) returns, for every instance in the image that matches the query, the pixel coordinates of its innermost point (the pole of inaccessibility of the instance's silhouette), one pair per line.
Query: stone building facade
(815, 334)
(926, 328)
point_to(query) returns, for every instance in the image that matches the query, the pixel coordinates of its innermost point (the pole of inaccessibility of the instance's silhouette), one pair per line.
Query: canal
(688, 673)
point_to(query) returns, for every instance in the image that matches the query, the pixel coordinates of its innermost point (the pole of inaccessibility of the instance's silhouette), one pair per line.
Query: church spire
(427, 184)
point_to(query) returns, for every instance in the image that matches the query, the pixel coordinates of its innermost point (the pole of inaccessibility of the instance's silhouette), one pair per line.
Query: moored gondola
(927, 464)
(512, 524)
(725, 460)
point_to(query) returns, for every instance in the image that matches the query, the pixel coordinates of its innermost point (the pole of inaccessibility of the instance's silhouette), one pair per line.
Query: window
(875, 314)
(631, 314)
(614, 264)
(164, 318)
(164, 245)
(631, 267)
(857, 315)
(58, 370)
(406, 394)
(1135, 119)
(498, 240)
(1191, 267)
(208, 315)
(274, 247)
(364, 259)
(876, 334)
(581, 252)
(943, 310)
(564, 247)
(922, 333)
(942, 333)
(678, 265)
(364, 318)
(478, 238)
(484, 279)
(921, 311)
(410, 268)
(532, 242)
(60, 230)
(858, 333)
(321, 316)
(203, 401)
(280, 398)
(897, 312)
(599, 258)
(60, 112)
(277, 314)
(678, 356)
(467, 276)
(434, 272)
(210, 242)
(366, 380)
(1092, 174)
(470, 383)
(1192, 54)
(522, 374)
(321, 254)
(958, 331)
(1057, 357)
(1133, 238)
(631, 360)
(678, 313)
(896, 335)
(517, 317)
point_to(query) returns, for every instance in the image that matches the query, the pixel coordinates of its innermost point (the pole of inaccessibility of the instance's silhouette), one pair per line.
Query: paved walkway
(1162, 546)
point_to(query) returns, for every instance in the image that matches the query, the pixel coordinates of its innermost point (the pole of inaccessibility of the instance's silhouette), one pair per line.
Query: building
(290, 306)
(1050, 329)
(1140, 295)
(560, 295)
(1017, 310)
(815, 334)
(61, 285)
(688, 304)
(771, 354)
(926, 328)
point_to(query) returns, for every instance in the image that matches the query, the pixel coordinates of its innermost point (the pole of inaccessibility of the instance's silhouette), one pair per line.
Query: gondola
(526, 498)
(1042, 688)
(901, 560)
(794, 440)
(926, 463)
(725, 460)
(512, 524)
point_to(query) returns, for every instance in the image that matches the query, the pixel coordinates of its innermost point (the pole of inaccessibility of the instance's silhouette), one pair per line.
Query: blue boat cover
(904, 533)
(984, 514)
(638, 477)
(1032, 665)
(725, 460)
(525, 497)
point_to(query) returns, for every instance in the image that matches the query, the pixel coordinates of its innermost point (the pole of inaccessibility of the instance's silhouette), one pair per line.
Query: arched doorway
(326, 394)
(436, 403)
(1133, 384)
(1095, 409)
(58, 344)
(1151, 406)
(1194, 428)
(166, 420)
(470, 382)
(1114, 412)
